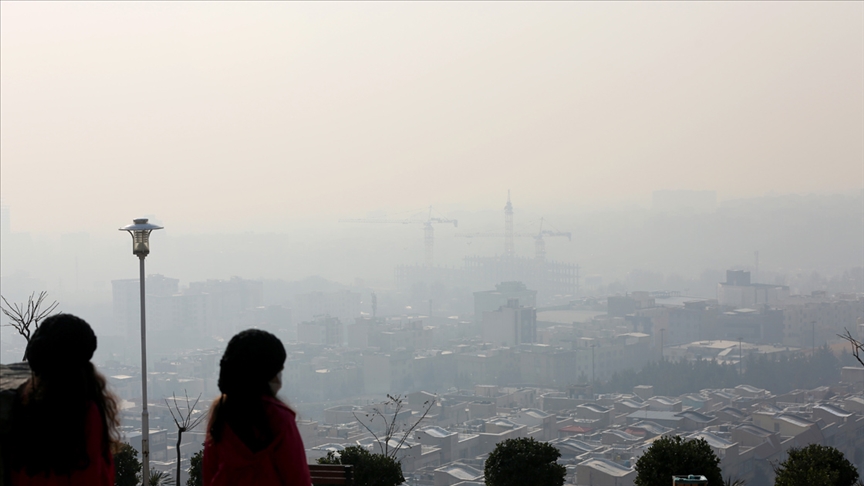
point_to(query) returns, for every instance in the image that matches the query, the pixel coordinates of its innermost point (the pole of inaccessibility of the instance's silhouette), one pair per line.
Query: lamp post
(140, 232)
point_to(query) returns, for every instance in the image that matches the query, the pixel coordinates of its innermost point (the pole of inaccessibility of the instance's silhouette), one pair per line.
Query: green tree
(195, 463)
(127, 467)
(516, 462)
(369, 469)
(669, 456)
(815, 465)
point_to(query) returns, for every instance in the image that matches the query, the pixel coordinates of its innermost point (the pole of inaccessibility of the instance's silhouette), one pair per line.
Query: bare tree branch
(184, 424)
(428, 404)
(391, 425)
(25, 318)
(377, 439)
(857, 345)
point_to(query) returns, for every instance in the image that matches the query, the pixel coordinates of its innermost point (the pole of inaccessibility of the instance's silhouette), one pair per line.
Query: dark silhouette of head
(63, 343)
(50, 410)
(251, 361)
(252, 358)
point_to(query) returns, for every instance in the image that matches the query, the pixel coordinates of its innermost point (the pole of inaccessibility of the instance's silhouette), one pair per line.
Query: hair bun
(62, 341)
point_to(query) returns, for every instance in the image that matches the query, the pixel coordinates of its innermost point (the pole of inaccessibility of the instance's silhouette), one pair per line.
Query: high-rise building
(510, 325)
(737, 291)
(126, 297)
(324, 330)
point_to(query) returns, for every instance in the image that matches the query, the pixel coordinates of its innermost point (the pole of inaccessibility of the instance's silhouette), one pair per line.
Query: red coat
(229, 462)
(98, 473)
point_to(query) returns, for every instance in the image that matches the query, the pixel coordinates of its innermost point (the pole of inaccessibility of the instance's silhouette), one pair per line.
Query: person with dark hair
(252, 437)
(64, 419)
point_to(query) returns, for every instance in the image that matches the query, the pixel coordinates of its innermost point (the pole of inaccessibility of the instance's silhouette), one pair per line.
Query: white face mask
(276, 383)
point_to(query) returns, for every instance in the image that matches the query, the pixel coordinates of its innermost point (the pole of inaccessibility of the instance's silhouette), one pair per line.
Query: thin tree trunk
(179, 436)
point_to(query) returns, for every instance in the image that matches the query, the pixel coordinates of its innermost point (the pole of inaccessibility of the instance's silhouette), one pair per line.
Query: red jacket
(229, 462)
(98, 473)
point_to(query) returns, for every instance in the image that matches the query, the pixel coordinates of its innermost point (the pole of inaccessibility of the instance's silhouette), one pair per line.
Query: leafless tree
(392, 428)
(857, 346)
(184, 422)
(25, 318)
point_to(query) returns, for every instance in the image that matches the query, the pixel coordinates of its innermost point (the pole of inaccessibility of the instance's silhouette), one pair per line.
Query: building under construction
(552, 280)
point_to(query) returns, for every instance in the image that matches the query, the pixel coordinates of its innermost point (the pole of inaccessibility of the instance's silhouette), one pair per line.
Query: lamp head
(140, 232)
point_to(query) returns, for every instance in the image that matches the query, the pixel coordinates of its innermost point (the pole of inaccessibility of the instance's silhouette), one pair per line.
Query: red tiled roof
(576, 429)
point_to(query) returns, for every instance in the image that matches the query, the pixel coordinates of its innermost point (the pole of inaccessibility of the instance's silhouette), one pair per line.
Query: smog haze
(538, 217)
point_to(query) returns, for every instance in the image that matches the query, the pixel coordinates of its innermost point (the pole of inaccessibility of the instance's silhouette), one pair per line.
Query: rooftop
(794, 419)
(437, 432)
(622, 434)
(834, 410)
(655, 429)
(734, 412)
(576, 429)
(461, 471)
(755, 430)
(594, 407)
(654, 415)
(631, 403)
(713, 440)
(607, 467)
(696, 416)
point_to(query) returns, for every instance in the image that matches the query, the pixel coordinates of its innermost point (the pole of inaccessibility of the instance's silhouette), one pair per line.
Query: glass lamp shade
(140, 232)
(141, 242)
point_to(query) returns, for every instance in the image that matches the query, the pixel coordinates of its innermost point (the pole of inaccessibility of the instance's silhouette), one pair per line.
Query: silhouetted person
(64, 419)
(252, 437)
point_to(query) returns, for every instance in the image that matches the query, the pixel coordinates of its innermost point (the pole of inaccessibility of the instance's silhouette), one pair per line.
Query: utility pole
(592, 364)
(814, 337)
(740, 359)
(662, 331)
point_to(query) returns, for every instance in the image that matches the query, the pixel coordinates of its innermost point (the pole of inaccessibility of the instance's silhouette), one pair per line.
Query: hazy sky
(242, 114)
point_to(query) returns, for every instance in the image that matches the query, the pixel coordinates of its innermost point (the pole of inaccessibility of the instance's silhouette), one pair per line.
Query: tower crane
(509, 235)
(428, 231)
(540, 244)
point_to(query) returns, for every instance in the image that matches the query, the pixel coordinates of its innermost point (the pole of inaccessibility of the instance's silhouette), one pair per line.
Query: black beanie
(252, 358)
(62, 342)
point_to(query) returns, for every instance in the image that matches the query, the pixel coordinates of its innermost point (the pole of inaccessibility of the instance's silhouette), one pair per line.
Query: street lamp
(140, 232)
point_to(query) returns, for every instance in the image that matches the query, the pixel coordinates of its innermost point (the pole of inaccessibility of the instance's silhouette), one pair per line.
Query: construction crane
(539, 242)
(509, 234)
(428, 231)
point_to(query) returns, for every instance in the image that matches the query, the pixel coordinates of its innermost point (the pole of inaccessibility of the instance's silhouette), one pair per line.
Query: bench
(332, 474)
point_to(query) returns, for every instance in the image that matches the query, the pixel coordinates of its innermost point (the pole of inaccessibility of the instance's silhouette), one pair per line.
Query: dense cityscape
(432, 243)
(536, 350)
